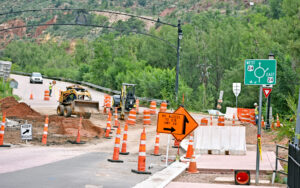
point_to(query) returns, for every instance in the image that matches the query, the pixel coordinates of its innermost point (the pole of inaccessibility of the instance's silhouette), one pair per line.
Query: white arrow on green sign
(260, 72)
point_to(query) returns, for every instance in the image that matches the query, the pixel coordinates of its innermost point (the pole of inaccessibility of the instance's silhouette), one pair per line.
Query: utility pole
(271, 56)
(178, 58)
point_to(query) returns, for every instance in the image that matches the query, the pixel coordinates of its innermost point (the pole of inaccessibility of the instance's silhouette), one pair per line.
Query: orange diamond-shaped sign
(190, 124)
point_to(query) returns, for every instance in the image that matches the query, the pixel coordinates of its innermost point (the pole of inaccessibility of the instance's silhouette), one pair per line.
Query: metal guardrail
(94, 86)
(276, 162)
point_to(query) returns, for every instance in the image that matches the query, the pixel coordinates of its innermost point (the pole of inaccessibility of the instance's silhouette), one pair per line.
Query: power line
(89, 25)
(88, 10)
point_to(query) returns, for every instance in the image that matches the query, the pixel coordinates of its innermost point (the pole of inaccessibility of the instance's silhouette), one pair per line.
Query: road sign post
(259, 72)
(26, 132)
(236, 88)
(258, 151)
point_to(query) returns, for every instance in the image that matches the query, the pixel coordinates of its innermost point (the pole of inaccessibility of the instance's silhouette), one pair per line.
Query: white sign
(26, 132)
(221, 95)
(236, 87)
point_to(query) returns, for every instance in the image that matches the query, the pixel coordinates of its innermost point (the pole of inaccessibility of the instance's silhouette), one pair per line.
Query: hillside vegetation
(217, 37)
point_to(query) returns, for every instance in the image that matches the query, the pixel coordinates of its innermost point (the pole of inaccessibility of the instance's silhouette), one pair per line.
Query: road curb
(164, 177)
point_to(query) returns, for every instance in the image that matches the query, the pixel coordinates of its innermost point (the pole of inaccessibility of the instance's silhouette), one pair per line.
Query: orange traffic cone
(108, 126)
(211, 120)
(277, 121)
(115, 158)
(193, 166)
(156, 146)
(262, 122)
(124, 144)
(142, 156)
(31, 97)
(45, 133)
(2, 131)
(117, 123)
(190, 150)
(176, 144)
(78, 133)
(233, 120)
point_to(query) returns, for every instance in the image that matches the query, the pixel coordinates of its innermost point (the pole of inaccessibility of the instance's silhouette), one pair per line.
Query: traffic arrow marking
(170, 129)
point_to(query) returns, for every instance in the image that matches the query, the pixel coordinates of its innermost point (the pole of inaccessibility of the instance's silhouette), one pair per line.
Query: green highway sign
(260, 72)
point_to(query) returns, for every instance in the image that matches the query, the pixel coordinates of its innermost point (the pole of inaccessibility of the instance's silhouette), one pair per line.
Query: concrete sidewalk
(237, 162)
(206, 185)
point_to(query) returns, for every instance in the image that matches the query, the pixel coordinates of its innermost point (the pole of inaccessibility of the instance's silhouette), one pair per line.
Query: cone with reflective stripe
(176, 144)
(277, 121)
(108, 126)
(211, 120)
(124, 144)
(142, 156)
(262, 122)
(137, 103)
(156, 146)
(190, 150)
(45, 133)
(115, 158)
(193, 166)
(117, 123)
(2, 131)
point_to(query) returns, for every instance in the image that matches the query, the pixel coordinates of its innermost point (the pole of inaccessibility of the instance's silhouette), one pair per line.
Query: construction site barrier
(146, 118)
(46, 95)
(245, 114)
(204, 122)
(221, 121)
(229, 113)
(220, 140)
(153, 107)
(132, 117)
(163, 107)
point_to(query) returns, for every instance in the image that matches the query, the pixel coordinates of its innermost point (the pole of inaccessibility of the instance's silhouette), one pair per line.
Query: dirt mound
(60, 128)
(20, 110)
(8, 102)
(69, 126)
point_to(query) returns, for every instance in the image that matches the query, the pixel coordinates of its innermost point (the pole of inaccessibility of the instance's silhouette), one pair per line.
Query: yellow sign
(170, 123)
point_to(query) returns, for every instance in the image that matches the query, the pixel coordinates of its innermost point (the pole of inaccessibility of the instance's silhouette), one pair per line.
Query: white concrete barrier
(229, 113)
(219, 140)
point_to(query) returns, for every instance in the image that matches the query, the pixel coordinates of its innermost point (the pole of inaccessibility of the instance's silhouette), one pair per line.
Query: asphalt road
(84, 171)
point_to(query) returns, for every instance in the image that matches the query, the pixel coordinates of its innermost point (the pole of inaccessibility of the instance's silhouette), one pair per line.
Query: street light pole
(268, 125)
(178, 59)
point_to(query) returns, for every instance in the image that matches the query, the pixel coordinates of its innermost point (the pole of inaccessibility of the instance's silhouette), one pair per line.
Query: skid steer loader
(127, 100)
(76, 101)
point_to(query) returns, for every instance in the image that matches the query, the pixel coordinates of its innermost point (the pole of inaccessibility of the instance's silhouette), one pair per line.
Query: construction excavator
(127, 100)
(76, 100)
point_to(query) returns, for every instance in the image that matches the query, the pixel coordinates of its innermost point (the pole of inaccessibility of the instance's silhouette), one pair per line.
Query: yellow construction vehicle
(76, 101)
(125, 101)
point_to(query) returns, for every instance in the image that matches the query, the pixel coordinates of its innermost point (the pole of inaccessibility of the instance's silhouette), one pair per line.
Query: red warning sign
(267, 91)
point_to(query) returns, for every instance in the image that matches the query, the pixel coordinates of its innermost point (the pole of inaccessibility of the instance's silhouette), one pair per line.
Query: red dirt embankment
(58, 125)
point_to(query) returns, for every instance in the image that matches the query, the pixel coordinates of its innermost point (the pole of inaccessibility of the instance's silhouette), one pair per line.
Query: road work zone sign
(179, 124)
(26, 132)
(170, 123)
